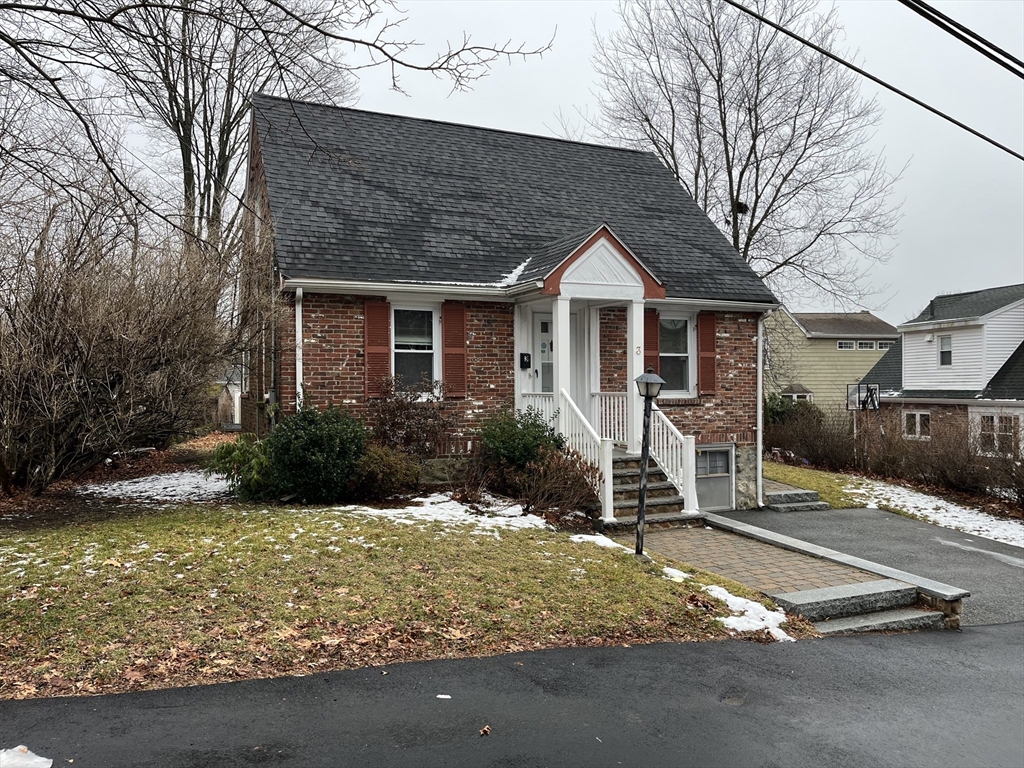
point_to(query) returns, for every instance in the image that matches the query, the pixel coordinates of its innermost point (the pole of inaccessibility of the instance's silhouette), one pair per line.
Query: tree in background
(768, 137)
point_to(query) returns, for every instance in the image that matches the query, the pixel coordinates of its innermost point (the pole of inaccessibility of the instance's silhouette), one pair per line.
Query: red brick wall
(614, 360)
(730, 415)
(333, 368)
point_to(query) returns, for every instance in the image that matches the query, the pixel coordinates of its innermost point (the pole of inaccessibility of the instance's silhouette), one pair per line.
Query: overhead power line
(873, 79)
(965, 35)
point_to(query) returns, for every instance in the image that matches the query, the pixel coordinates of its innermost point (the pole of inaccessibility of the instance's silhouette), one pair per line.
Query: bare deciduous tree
(770, 138)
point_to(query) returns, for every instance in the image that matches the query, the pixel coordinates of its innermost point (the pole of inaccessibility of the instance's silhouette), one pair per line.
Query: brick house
(522, 271)
(961, 358)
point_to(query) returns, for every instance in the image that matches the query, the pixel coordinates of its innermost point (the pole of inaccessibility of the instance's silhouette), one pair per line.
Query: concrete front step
(894, 620)
(662, 504)
(848, 600)
(800, 506)
(632, 476)
(790, 497)
(654, 491)
(625, 525)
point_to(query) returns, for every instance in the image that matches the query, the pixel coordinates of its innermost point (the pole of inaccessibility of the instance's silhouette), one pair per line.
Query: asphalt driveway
(991, 571)
(930, 699)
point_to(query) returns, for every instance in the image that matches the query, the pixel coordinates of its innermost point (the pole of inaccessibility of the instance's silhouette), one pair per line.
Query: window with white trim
(415, 345)
(885, 344)
(917, 425)
(675, 361)
(945, 350)
(845, 345)
(797, 396)
(999, 435)
(865, 345)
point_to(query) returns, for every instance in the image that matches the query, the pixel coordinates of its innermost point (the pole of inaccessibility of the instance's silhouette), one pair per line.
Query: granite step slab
(894, 620)
(848, 600)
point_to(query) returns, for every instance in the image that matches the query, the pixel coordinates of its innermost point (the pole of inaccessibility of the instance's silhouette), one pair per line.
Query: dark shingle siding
(971, 304)
(366, 196)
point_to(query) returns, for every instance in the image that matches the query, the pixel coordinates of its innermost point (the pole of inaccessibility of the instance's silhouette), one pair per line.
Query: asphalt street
(927, 699)
(991, 571)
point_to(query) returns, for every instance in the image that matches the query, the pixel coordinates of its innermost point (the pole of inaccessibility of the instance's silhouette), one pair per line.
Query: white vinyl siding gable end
(921, 369)
(1004, 331)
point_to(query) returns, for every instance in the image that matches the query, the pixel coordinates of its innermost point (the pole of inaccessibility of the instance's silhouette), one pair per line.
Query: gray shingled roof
(860, 324)
(887, 373)
(1008, 383)
(366, 196)
(971, 304)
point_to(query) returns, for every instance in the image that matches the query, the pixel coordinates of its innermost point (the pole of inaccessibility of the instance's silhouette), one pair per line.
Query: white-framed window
(885, 344)
(917, 425)
(676, 358)
(796, 397)
(999, 434)
(862, 345)
(945, 350)
(415, 343)
(845, 345)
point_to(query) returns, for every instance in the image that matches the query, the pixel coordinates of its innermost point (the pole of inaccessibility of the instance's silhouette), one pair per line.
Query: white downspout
(298, 348)
(760, 408)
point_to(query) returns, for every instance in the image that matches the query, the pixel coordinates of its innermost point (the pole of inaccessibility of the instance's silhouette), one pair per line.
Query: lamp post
(650, 385)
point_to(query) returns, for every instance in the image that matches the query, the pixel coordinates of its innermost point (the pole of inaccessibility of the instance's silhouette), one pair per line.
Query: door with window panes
(714, 478)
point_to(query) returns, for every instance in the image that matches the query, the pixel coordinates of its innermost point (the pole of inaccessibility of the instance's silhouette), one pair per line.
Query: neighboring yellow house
(814, 355)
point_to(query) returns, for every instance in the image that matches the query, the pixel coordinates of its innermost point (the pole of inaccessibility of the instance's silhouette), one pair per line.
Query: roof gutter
(987, 401)
(739, 306)
(315, 285)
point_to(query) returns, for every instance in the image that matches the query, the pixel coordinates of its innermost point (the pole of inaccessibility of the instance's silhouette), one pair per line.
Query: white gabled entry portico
(563, 379)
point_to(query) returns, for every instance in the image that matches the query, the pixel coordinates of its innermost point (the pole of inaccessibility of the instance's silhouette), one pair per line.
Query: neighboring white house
(966, 350)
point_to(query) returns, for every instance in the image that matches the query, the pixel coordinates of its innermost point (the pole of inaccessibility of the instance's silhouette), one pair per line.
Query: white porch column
(689, 488)
(560, 336)
(634, 367)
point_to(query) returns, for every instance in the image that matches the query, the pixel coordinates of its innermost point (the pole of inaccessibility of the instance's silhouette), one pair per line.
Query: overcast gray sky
(963, 225)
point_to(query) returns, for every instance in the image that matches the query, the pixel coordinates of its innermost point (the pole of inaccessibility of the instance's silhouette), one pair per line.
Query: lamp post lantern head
(649, 383)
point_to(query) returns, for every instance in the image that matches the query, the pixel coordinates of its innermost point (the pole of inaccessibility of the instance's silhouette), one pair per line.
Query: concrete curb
(928, 587)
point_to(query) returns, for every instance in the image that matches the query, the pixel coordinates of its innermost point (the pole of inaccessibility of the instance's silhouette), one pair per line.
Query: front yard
(147, 597)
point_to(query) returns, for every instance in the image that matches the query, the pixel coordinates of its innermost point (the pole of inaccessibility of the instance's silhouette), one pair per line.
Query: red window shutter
(453, 343)
(707, 342)
(652, 340)
(377, 340)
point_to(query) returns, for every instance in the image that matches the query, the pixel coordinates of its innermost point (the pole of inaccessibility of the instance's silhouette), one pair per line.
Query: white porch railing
(676, 454)
(540, 401)
(584, 439)
(611, 409)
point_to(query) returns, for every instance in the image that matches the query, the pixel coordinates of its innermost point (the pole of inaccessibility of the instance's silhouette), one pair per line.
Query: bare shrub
(414, 418)
(823, 438)
(109, 333)
(559, 481)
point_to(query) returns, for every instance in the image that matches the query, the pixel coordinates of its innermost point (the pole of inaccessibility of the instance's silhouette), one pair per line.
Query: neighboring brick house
(962, 357)
(520, 270)
(815, 355)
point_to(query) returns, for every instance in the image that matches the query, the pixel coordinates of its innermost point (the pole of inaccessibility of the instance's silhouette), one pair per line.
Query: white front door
(544, 357)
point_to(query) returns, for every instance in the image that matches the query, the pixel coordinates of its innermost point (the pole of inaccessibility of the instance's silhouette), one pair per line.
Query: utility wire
(969, 32)
(872, 78)
(985, 49)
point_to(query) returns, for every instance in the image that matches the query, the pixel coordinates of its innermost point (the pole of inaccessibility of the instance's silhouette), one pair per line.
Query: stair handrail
(581, 436)
(676, 454)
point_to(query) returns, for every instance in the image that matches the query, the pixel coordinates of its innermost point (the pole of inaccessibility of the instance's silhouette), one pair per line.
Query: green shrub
(516, 438)
(245, 464)
(314, 454)
(384, 472)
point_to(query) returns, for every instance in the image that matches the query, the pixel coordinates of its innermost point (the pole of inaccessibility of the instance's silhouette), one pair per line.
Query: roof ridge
(459, 125)
(979, 290)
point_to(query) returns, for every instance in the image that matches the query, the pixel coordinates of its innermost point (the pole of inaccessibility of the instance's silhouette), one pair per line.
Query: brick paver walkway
(762, 566)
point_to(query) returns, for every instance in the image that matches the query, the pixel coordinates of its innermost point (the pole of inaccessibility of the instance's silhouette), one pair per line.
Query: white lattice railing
(540, 401)
(676, 454)
(611, 409)
(584, 439)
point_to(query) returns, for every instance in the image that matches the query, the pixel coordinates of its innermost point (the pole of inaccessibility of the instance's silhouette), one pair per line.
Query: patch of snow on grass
(938, 511)
(441, 508)
(749, 616)
(601, 541)
(179, 487)
(674, 574)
